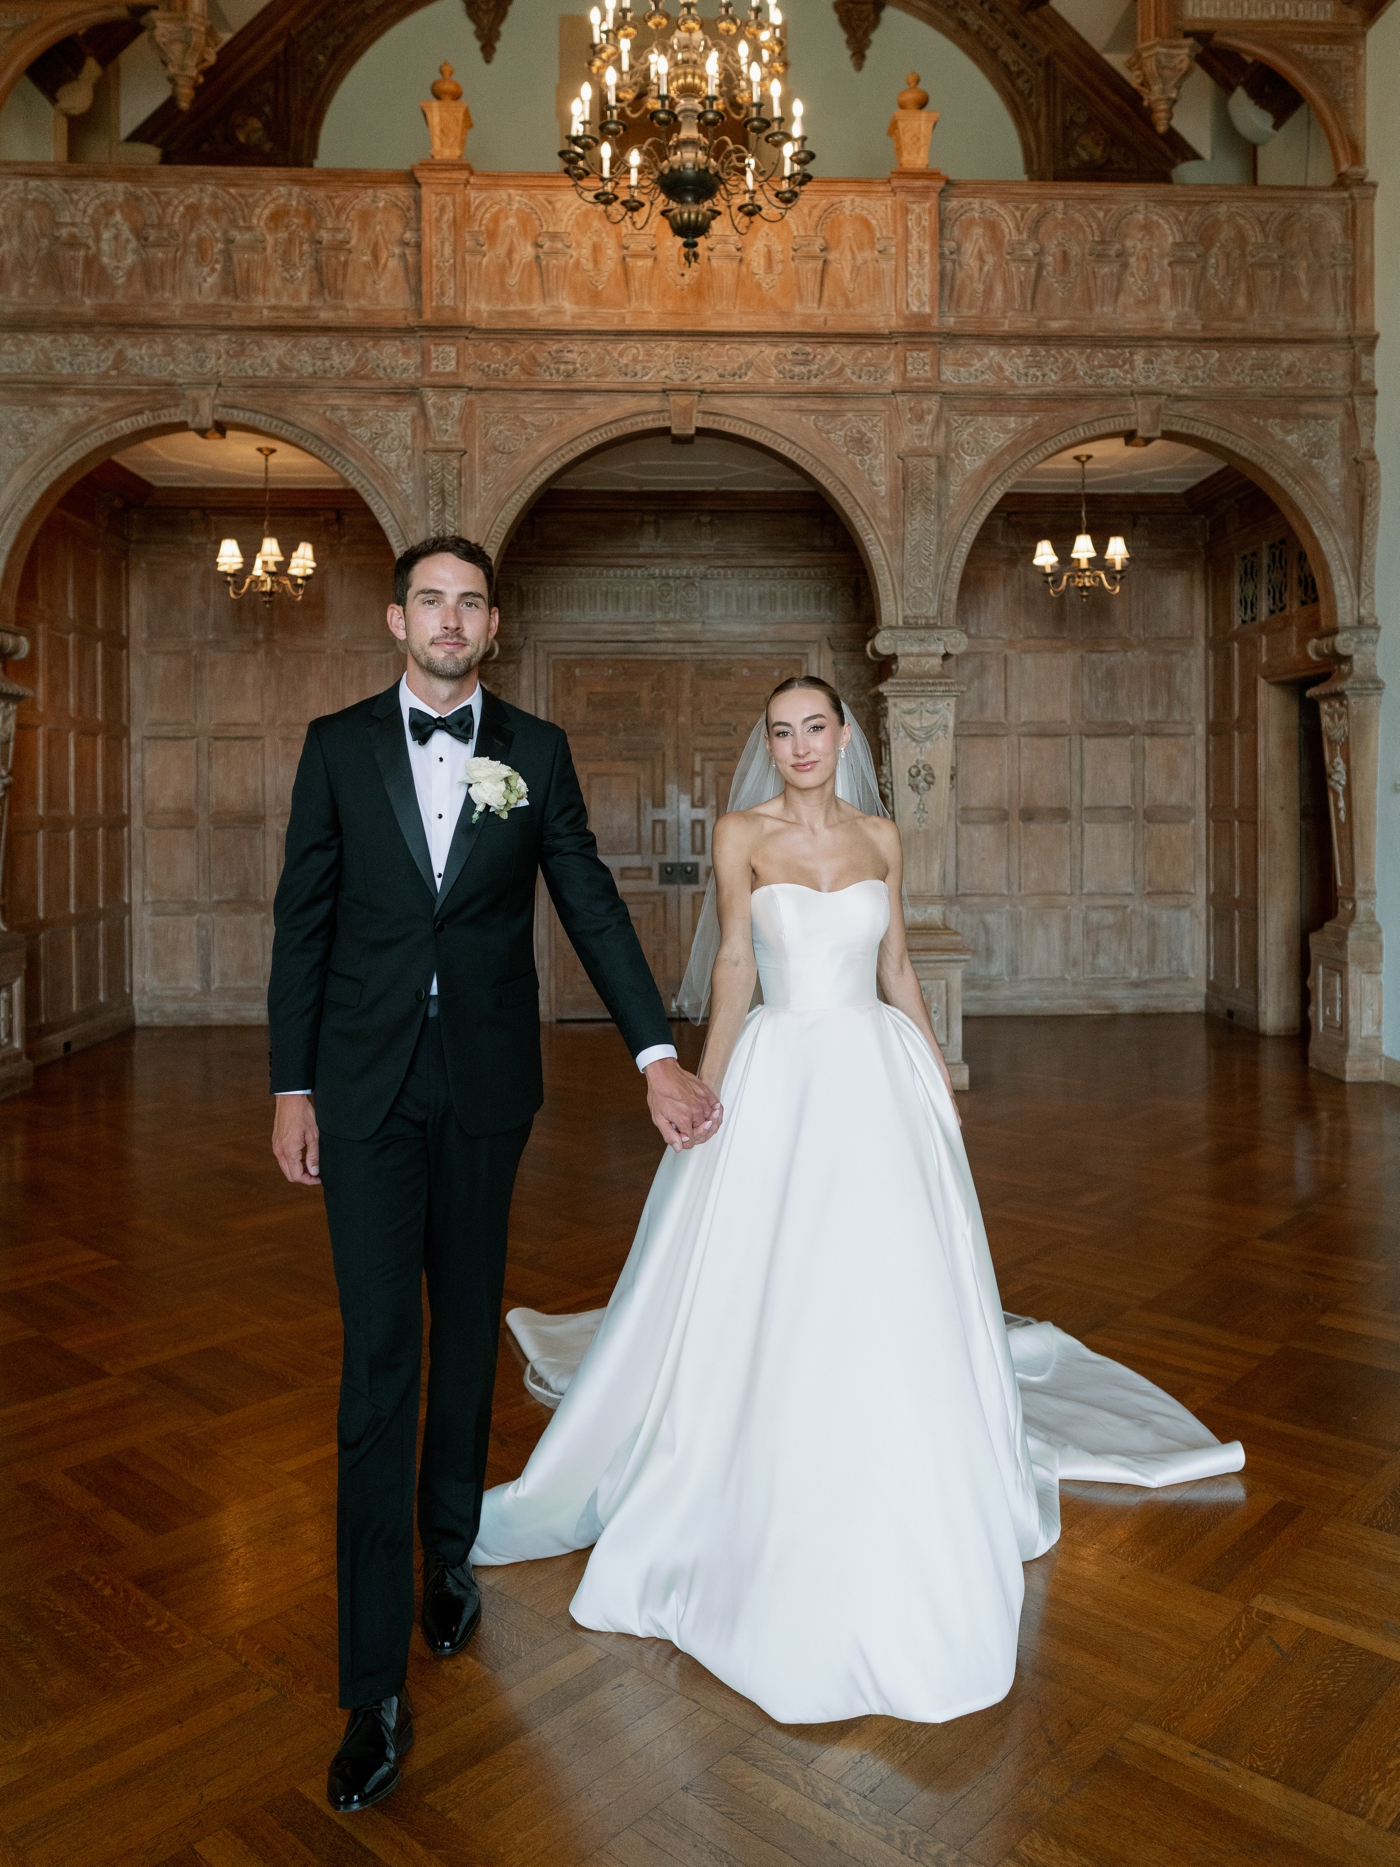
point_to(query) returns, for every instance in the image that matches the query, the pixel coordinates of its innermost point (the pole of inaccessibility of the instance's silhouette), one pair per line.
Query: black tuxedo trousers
(423, 1118)
(420, 1198)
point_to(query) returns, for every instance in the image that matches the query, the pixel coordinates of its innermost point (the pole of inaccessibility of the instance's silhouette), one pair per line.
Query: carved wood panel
(222, 693)
(1079, 865)
(171, 242)
(655, 740)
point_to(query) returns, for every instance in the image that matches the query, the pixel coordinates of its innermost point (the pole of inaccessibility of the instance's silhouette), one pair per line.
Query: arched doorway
(1142, 796)
(154, 759)
(652, 595)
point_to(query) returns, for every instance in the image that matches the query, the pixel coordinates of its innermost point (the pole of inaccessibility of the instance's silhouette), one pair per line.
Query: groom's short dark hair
(443, 543)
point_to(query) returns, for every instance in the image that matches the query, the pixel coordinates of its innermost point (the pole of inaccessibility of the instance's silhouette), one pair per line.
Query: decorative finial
(914, 98)
(911, 126)
(447, 90)
(447, 116)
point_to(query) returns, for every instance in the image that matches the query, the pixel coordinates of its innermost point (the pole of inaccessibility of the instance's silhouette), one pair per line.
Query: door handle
(685, 874)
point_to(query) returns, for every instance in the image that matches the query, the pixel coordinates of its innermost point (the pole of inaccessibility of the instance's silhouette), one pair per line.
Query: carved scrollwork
(1336, 729)
(386, 433)
(973, 439)
(861, 438)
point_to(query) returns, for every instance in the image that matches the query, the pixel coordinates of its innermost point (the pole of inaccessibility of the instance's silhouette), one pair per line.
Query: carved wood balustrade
(451, 341)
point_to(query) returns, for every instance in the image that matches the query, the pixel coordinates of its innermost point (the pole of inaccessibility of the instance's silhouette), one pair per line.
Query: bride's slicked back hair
(809, 680)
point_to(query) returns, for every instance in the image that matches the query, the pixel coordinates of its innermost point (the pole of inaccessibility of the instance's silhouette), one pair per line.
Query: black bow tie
(461, 724)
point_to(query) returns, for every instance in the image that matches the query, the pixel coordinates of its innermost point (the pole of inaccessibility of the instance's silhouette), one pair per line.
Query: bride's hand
(685, 1110)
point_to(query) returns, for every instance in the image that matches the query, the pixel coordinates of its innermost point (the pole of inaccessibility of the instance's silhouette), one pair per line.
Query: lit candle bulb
(585, 92)
(605, 157)
(626, 56)
(748, 174)
(576, 111)
(775, 91)
(608, 23)
(712, 71)
(661, 69)
(595, 19)
(743, 55)
(774, 15)
(755, 79)
(796, 118)
(634, 157)
(610, 79)
(787, 160)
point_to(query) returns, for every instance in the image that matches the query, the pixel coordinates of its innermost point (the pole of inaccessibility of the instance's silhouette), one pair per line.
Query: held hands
(296, 1140)
(685, 1110)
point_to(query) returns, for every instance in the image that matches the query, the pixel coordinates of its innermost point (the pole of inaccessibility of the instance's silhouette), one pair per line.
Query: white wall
(26, 125)
(374, 120)
(1383, 158)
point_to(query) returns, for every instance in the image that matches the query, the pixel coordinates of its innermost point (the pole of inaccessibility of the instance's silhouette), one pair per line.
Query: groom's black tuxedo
(424, 1107)
(362, 925)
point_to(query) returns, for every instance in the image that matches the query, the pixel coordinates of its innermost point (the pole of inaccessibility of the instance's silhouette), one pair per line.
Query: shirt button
(439, 926)
(420, 995)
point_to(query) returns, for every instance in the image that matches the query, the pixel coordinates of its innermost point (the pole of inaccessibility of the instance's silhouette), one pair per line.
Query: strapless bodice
(815, 951)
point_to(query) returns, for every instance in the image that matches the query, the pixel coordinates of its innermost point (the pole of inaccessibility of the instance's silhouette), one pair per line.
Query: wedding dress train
(797, 1436)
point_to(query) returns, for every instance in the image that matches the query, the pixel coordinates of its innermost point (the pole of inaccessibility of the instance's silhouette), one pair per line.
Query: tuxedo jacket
(361, 925)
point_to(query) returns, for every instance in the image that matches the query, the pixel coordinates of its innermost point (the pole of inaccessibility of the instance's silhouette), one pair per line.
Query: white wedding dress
(796, 1438)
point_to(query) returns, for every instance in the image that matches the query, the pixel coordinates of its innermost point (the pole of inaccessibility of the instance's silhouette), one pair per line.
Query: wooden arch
(264, 102)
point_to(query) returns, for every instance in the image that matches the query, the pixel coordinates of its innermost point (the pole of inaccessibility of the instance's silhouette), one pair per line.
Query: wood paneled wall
(69, 866)
(1080, 782)
(221, 696)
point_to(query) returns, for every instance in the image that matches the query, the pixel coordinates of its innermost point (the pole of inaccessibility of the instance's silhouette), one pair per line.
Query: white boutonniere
(495, 787)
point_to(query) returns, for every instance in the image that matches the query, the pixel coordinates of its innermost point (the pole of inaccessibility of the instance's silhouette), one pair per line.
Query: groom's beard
(450, 664)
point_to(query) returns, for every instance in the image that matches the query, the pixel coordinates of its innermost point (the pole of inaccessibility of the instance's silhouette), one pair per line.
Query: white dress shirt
(439, 779)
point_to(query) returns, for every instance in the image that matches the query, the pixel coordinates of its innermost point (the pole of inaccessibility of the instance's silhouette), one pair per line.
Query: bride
(798, 1437)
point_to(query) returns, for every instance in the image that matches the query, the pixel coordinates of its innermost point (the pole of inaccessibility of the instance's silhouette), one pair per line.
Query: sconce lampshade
(230, 558)
(303, 561)
(271, 553)
(1117, 552)
(1083, 548)
(1045, 558)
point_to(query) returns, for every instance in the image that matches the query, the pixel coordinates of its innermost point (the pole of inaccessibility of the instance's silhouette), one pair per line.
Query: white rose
(494, 786)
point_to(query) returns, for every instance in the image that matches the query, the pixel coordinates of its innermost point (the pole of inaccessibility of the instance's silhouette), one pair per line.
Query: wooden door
(655, 740)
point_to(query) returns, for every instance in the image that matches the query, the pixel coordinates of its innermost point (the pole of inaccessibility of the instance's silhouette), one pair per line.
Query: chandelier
(264, 577)
(1082, 578)
(730, 148)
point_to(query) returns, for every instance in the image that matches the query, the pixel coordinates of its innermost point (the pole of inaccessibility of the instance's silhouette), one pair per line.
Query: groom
(404, 1013)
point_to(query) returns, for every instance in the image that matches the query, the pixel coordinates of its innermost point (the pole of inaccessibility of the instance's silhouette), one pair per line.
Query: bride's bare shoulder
(738, 829)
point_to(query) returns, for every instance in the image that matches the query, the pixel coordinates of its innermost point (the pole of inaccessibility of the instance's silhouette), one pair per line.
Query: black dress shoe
(451, 1606)
(366, 1767)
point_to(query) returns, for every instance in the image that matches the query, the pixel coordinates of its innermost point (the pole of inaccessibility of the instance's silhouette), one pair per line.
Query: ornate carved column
(1344, 976)
(920, 701)
(443, 458)
(16, 1071)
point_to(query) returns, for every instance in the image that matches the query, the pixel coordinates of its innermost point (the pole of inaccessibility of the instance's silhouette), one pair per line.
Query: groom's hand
(296, 1140)
(684, 1109)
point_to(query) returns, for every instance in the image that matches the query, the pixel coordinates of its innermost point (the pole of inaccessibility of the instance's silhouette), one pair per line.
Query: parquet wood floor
(1210, 1675)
